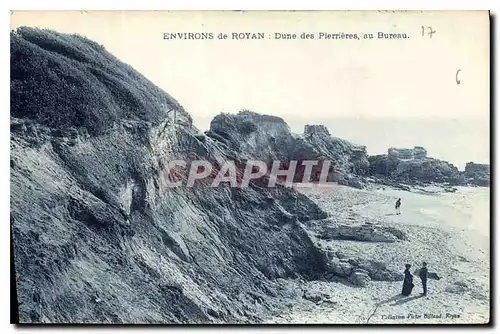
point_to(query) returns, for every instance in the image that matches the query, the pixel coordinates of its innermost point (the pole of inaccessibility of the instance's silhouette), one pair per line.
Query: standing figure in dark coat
(408, 281)
(398, 206)
(423, 276)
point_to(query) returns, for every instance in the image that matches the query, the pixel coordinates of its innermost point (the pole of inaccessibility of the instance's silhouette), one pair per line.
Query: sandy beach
(450, 231)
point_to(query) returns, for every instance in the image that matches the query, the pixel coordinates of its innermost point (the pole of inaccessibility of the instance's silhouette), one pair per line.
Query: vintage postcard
(250, 167)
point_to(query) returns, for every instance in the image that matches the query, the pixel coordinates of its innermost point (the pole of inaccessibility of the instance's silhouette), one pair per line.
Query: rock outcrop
(360, 271)
(366, 232)
(268, 138)
(352, 181)
(412, 166)
(254, 136)
(418, 152)
(359, 277)
(377, 271)
(97, 238)
(348, 157)
(458, 287)
(477, 174)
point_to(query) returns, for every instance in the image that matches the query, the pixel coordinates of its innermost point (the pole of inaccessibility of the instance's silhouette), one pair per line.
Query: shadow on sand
(399, 299)
(388, 300)
(403, 300)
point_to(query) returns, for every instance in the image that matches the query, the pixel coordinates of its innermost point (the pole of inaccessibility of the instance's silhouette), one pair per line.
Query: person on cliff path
(398, 206)
(423, 277)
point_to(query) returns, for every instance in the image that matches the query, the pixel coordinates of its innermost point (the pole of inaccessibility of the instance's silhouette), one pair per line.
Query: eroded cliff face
(254, 136)
(347, 157)
(99, 238)
(96, 236)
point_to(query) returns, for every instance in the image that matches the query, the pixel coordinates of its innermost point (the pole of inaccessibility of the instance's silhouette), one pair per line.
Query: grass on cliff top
(63, 81)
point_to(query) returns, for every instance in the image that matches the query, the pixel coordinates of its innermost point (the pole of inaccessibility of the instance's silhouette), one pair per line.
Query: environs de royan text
(282, 36)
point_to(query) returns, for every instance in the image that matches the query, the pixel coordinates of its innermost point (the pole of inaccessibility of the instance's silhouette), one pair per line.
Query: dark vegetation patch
(63, 81)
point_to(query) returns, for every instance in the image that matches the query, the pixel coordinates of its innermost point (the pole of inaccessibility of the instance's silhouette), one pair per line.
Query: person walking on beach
(423, 276)
(398, 206)
(408, 281)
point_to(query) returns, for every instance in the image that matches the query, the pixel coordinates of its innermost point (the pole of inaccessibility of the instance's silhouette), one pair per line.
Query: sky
(379, 93)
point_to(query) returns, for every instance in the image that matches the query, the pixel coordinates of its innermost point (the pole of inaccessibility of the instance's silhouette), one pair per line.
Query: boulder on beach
(365, 232)
(352, 181)
(432, 275)
(377, 270)
(339, 267)
(347, 157)
(359, 277)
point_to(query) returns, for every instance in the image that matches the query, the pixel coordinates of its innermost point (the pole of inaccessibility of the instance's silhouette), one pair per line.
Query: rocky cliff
(97, 239)
(477, 174)
(414, 166)
(254, 136)
(249, 135)
(347, 157)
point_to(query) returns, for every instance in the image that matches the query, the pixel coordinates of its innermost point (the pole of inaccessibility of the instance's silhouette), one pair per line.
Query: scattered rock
(312, 296)
(366, 232)
(213, 313)
(359, 277)
(377, 270)
(457, 287)
(433, 275)
(396, 232)
(352, 181)
(339, 268)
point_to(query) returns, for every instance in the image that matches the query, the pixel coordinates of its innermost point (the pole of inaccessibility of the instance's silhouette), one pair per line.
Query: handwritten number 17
(430, 31)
